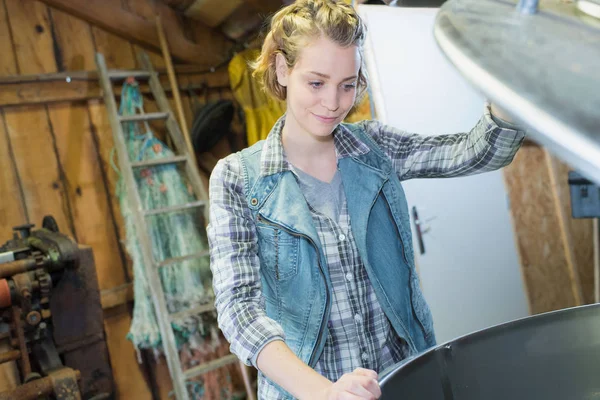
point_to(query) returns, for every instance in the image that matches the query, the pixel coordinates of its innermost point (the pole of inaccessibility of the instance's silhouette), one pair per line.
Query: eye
(349, 86)
(315, 84)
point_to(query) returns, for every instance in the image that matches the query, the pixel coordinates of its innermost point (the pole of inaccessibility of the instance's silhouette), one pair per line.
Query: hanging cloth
(260, 110)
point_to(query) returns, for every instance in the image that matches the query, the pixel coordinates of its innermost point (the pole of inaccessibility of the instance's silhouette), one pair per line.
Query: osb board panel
(538, 234)
(582, 236)
(127, 372)
(8, 66)
(90, 206)
(12, 209)
(32, 36)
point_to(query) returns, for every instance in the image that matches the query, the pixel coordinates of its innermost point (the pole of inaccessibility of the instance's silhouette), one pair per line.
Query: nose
(331, 99)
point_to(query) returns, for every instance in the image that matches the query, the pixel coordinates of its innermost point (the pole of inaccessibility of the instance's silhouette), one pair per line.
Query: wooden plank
(178, 106)
(147, 11)
(12, 207)
(128, 373)
(211, 12)
(78, 155)
(86, 189)
(69, 89)
(108, 15)
(73, 39)
(28, 128)
(117, 296)
(117, 51)
(121, 55)
(565, 232)
(39, 171)
(31, 32)
(215, 78)
(537, 231)
(160, 370)
(580, 232)
(8, 65)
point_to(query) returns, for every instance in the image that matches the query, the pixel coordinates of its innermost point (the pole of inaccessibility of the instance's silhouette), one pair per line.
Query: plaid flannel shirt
(359, 332)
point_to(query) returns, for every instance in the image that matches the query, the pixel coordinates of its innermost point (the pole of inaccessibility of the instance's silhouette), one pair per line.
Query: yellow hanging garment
(260, 109)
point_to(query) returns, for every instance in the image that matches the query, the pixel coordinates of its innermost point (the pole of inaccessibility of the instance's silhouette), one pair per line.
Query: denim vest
(294, 275)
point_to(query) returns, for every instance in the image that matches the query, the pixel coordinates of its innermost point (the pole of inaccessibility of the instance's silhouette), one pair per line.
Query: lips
(326, 120)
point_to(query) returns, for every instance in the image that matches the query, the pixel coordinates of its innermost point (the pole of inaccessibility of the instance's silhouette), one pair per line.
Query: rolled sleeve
(236, 267)
(486, 147)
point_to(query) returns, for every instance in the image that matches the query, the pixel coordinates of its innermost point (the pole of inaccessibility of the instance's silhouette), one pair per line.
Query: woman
(310, 239)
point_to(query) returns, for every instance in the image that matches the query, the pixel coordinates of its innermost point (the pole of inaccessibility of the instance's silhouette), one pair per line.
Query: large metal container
(552, 356)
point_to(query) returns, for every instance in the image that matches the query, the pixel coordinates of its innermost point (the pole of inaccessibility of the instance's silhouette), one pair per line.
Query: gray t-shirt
(325, 198)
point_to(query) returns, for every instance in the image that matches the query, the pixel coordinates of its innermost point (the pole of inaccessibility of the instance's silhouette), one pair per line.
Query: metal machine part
(52, 316)
(539, 62)
(552, 356)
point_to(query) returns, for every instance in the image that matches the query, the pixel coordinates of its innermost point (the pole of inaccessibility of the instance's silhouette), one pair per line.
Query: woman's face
(321, 87)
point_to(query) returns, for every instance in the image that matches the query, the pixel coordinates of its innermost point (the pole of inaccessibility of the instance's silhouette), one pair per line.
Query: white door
(469, 271)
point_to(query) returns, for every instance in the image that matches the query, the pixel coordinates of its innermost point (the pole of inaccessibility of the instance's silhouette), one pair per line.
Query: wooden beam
(116, 296)
(83, 85)
(265, 7)
(211, 12)
(109, 15)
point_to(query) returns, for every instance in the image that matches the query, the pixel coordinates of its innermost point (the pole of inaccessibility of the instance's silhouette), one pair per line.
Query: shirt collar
(273, 158)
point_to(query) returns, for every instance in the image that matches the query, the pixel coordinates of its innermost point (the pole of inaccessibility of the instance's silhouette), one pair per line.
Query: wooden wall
(54, 157)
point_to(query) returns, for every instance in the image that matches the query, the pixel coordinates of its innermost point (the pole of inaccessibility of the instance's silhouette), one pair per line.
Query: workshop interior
(113, 115)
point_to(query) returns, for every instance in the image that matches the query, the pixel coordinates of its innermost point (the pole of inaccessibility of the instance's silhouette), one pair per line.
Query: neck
(313, 154)
(303, 148)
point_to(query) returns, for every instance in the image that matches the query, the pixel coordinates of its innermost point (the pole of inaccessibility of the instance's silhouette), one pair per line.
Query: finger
(373, 388)
(359, 385)
(366, 372)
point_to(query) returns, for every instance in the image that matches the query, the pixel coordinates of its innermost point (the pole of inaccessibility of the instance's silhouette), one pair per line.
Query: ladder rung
(192, 311)
(117, 74)
(144, 117)
(209, 366)
(165, 210)
(176, 260)
(159, 161)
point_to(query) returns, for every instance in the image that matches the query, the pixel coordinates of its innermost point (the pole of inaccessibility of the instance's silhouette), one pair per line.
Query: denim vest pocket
(278, 252)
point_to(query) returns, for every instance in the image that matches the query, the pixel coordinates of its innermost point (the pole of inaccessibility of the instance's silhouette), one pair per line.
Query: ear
(281, 69)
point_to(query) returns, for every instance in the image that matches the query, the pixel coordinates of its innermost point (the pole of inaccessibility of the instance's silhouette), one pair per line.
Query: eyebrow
(327, 76)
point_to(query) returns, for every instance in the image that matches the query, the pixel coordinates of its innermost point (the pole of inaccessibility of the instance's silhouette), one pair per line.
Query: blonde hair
(291, 29)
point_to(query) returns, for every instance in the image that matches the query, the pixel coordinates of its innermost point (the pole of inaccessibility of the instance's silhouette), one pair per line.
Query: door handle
(419, 229)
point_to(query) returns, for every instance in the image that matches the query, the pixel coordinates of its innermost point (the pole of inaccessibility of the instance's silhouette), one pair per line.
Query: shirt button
(357, 318)
(365, 356)
(342, 237)
(349, 276)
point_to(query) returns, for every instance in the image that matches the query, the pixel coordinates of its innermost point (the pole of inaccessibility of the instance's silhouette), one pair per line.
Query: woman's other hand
(361, 384)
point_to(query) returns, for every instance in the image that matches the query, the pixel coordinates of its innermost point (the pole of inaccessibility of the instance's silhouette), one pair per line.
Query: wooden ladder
(182, 146)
